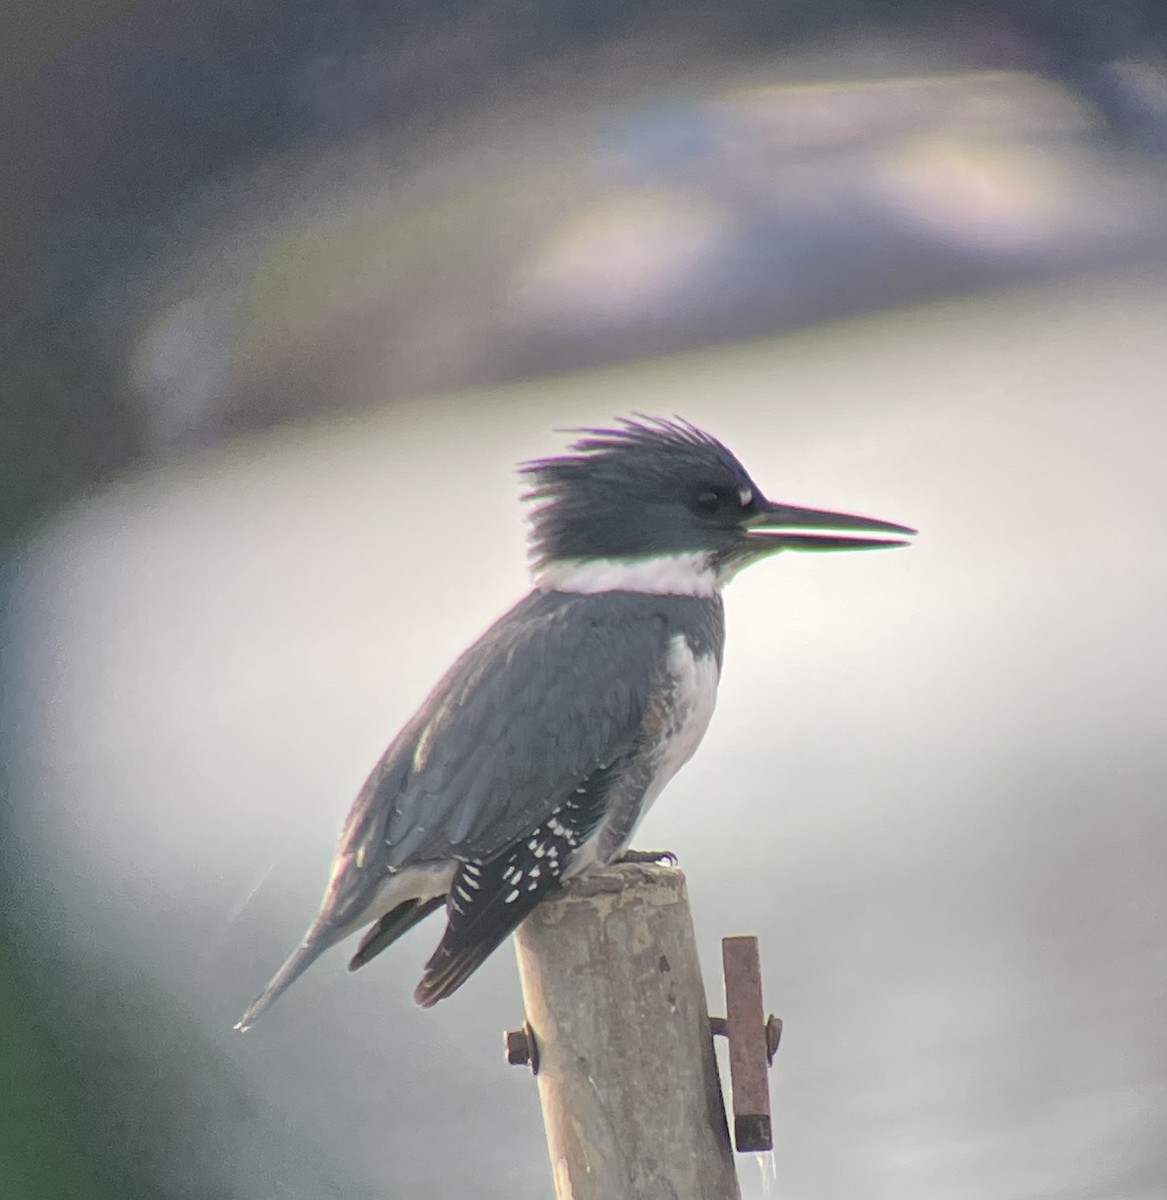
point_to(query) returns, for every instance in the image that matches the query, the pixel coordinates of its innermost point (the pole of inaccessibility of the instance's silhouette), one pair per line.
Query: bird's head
(661, 500)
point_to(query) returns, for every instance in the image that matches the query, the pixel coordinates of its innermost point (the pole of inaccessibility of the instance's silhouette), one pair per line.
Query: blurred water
(934, 784)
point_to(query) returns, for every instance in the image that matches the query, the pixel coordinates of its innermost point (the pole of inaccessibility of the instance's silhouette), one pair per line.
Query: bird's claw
(664, 858)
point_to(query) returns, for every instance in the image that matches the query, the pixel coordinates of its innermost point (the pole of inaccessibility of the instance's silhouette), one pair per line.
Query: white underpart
(423, 882)
(694, 682)
(690, 573)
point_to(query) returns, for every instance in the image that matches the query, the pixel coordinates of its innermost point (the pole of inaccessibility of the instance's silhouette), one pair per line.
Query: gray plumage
(538, 751)
(508, 732)
(501, 742)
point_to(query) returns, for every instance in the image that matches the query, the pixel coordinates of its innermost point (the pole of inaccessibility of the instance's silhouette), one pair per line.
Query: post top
(618, 877)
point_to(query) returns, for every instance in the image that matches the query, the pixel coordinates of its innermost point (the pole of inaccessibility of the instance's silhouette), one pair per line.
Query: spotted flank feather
(488, 900)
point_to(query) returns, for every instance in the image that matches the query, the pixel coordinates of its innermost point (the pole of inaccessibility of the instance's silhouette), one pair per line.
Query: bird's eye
(712, 500)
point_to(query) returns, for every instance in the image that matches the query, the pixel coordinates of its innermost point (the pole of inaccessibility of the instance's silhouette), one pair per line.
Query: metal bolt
(521, 1048)
(719, 1027)
(773, 1036)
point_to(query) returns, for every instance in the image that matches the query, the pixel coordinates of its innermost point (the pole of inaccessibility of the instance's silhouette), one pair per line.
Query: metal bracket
(753, 1042)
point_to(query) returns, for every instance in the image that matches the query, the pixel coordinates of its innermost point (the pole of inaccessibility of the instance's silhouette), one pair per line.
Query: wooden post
(626, 1071)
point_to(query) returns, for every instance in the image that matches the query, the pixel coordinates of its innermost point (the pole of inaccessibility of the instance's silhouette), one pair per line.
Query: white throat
(690, 573)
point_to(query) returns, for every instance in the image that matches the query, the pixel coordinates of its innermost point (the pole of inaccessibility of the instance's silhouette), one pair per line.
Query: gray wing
(549, 694)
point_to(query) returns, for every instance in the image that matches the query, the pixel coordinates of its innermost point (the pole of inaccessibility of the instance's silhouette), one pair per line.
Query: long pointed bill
(770, 530)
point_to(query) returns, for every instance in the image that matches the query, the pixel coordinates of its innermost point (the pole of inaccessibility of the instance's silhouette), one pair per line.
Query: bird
(538, 753)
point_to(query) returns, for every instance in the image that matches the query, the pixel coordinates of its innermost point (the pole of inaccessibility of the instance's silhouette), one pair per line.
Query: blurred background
(288, 289)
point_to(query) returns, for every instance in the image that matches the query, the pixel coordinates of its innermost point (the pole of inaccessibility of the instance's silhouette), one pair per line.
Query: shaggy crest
(597, 500)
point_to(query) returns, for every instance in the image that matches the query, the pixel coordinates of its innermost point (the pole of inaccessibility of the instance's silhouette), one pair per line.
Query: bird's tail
(318, 939)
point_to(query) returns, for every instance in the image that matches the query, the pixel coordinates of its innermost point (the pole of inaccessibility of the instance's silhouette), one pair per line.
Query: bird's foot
(664, 858)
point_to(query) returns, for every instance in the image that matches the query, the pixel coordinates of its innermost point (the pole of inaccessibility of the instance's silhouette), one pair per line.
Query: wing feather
(552, 692)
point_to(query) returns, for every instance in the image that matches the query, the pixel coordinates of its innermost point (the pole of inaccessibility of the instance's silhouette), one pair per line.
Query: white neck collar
(690, 573)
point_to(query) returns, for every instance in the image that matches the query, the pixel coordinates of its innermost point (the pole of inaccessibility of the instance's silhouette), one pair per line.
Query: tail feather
(318, 939)
(448, 969)
(391, 926)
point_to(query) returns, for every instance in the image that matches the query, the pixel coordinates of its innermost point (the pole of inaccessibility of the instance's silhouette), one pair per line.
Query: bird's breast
(679, 713)
(676, 717)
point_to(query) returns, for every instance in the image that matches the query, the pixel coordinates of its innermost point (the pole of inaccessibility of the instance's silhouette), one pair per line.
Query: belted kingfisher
(543, 746)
